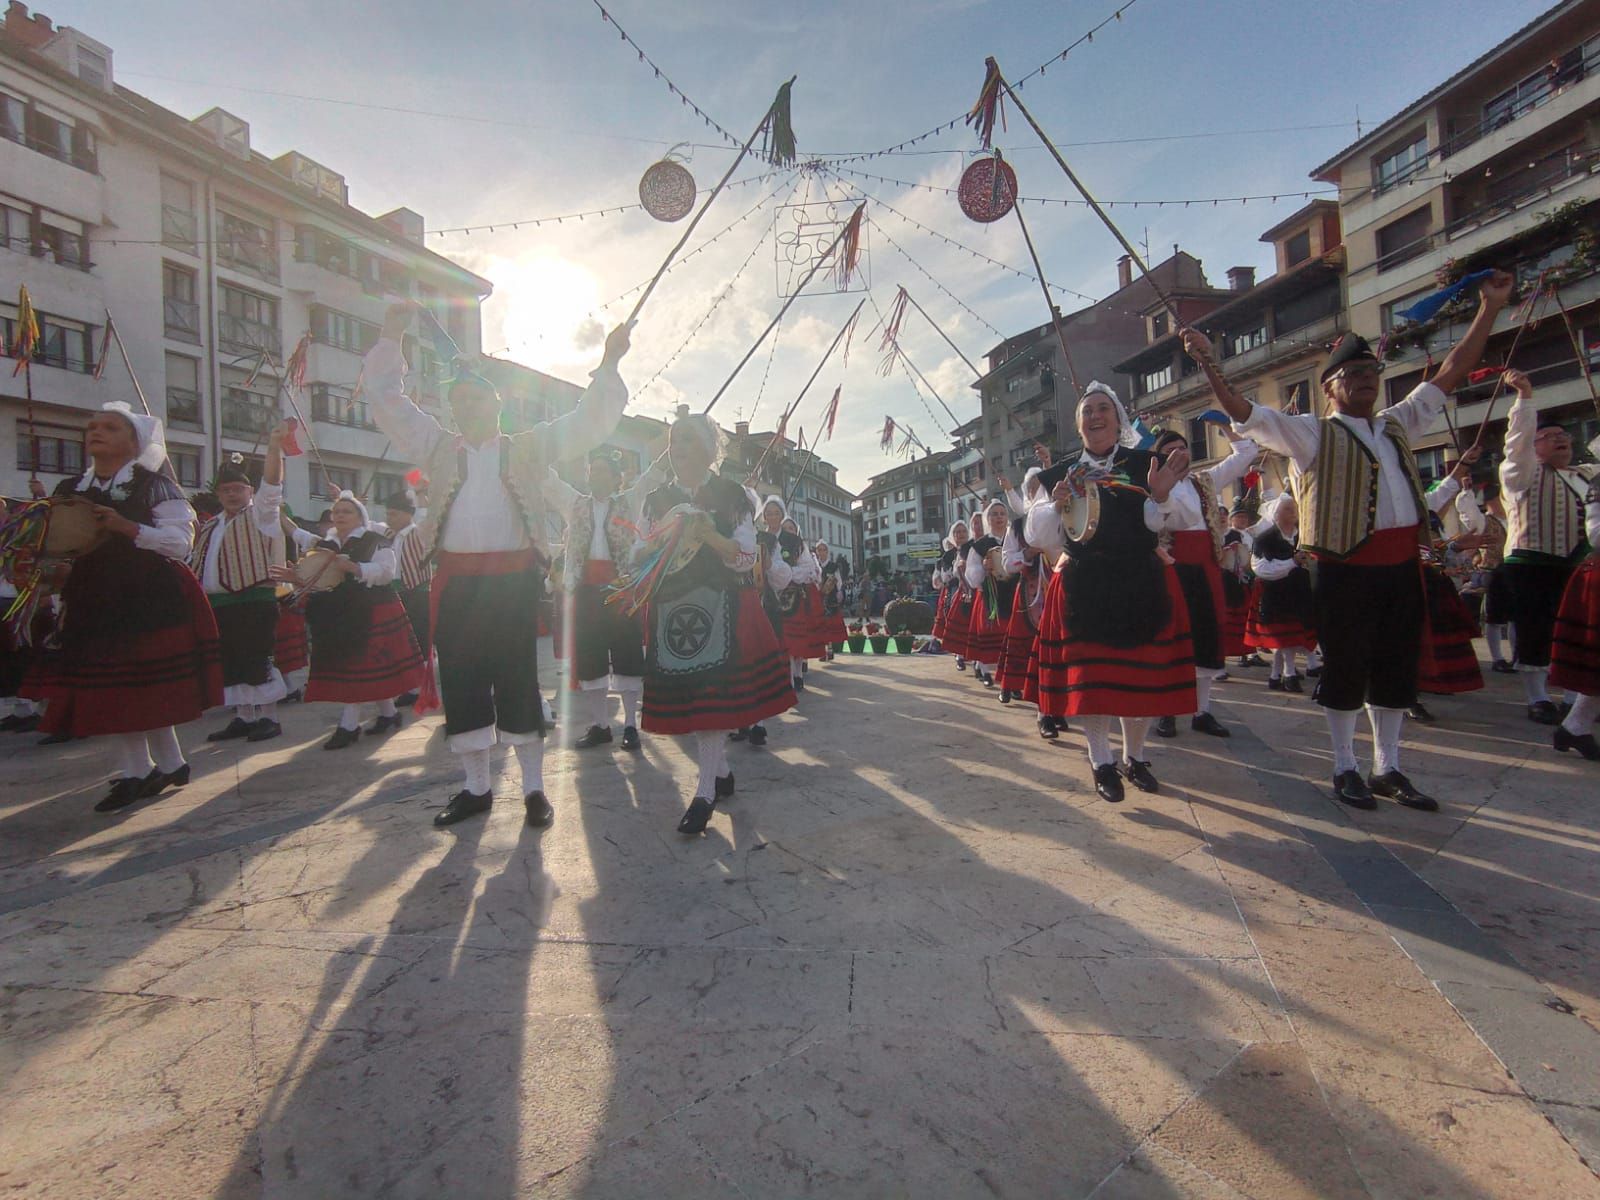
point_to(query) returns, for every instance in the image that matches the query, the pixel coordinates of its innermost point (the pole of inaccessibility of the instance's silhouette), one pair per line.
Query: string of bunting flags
(672, 87)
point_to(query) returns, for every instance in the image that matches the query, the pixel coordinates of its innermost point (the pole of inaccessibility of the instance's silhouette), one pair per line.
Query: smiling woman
(540, 310)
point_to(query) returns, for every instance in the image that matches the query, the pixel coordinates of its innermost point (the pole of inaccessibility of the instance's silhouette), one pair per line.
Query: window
(338, 406)
(64, 344)
(1199, 440)
(179, 226)
(1297, 249)
(16, 226)
(13, 118)
(1152, 381)
(1403, 164)
(1389, 317)
(248, 245)
(49, 449)
(334, 328)
(180, 314)
(346, 479)
(93, 68)
(1016, 382)
(1238, 343)
(248, 322)
(186, 465)
(62, 239)
(1430, 464)
(1297, 397)
(249, 409)
(1404, 239)
(899, 539)
(183, 391)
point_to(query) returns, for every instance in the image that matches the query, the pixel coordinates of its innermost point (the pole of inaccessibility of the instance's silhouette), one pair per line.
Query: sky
(491, 112)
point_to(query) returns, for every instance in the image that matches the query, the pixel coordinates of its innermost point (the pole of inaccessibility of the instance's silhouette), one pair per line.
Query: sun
(543, 304)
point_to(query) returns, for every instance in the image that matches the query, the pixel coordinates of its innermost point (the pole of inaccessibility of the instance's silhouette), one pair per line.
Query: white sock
(1386, 723)
(350, 717)
(600, 708)
(1277, 664)
(164, 748)
(1313, 660)
(245, 712)
(709, 753)
(1202, 691)
(530, 757)
(1342, 732)
(1134, 731)
(1097, 732)
(1584, 710)
(133, 755)
(1533, 683)
(24, 708)
(796, 667)
(268, 711)
(630, 708)
(1494, 635)
(476, 765)
(386, 708)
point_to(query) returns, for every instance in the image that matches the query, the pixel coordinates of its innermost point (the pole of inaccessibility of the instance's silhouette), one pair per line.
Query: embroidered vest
(415, 559)
(1216, 517)
(619, 532)
(1338, 496)
(243, 555)
(1548, 517)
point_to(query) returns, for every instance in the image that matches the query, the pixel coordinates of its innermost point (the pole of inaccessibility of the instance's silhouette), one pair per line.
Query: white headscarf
(1127, 435)
(1031, 474)
(761, 509)
(147, 434)
(349, 497)
(951, 536)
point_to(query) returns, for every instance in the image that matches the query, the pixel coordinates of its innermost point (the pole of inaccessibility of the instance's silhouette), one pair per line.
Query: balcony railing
(337, 406)
(1567, 70)
(244, 336)
(245, 412)
(183, 407)
(181, 319)
(180, 228)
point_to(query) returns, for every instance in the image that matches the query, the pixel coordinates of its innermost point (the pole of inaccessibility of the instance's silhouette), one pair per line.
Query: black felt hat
(1352, 347)
(400, 502)
(230, 473)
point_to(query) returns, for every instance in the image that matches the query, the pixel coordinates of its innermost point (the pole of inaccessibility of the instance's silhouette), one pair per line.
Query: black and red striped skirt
(748, 686)
(938, 612)
(1011, 674)
(387, 666)
(1284, 628)
(1235, 615)
(292, 647)
(802, 621)
(1078, 677)
(145, 681)
(958, 621)
(1575, 648)
(986, 635)
(1448, 664)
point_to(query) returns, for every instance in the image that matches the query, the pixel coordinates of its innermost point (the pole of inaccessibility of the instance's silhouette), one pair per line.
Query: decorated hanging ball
(667, 191)
(985, 195)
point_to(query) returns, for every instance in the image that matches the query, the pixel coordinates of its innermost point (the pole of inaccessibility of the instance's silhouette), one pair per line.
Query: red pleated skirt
(1235, 626)
(986, 635)
(1285, 633)
(292, 650)
(388, 665)
(939, 612)
(958, 622)
(1012, 672)
(1082, 678)
(1448, 664)
(1575, 649)
(751, 687)
(803, 626)
(165, 677)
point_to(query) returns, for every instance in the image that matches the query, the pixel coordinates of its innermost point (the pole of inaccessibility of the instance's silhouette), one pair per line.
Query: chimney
(1124, 271)
(741, 429)
(29, 32)
(1241, 279)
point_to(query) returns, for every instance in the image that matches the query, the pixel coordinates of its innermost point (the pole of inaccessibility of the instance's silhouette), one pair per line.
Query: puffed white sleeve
(779, 574)
(1043, 527)
(172, 535)
(381, 570)
(744, 536)
(1272, 568)
(973, 570)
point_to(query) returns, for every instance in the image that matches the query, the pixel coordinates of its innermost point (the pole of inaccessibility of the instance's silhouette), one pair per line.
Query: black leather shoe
(1140, 775)
(1544, 713)
(724, 786)
(157, 781)
(758, 735)
(1252, 660)
(264, 730)
(1047, 729)
(1167, 727)
(1206, 723)
(55, 739)
(1275, 685)
(1108, 783)
(598, 735)
(1394, 786)
(1351, 789)
(1313, 672)
(1293, 684)
(988, 682)
(123, 792)
(341, 738)
(294, 697)
(1005, 696)
(25, 724)
(1419, 713)
(697, 816)
(462, 805)
(9, 724)
(236, 728)
(961, 664)
(630, 738)
(1583, 743)
(408, 700)
(382, 725)
(1502, 667)
(798, 682)
(739, 735)
(540, 814)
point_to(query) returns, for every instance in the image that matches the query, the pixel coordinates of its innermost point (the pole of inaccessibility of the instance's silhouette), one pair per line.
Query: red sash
(1384, 548)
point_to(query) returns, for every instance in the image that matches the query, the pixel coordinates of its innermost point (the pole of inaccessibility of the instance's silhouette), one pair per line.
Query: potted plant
(856, 640)
(878, 638)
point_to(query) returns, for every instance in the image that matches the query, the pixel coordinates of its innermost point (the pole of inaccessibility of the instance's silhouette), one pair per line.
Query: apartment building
(1497, 166)
(905, 512)
(212, 258)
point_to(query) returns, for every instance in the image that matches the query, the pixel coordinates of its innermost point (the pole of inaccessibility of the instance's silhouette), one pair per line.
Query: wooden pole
(789, 412)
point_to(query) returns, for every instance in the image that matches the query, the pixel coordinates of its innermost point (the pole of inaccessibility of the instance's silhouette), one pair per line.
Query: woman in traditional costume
(139, 653)
(945, 582)
(1114, 639)
(993, 590)
(1281, 613)
(711, 659)
(958, 596)
(362, 647)
(803, 617)
(1575, 652)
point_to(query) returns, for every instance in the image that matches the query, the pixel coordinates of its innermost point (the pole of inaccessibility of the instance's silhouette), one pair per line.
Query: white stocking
(268, 711)
(1134, 730)
(164, 748)
(1495, 636)
(709, 752)
(1342, 731)
(1386, 723)
(530, 757)
(386, 708)
(1584, 710)
(630, 708)
(245, 712)
(600, 708)
(1277, 663)
(476, 765)
(1097, 732)
(350, 717)
(1202, 691)
(133, 755)
(1313, 660)
(1533, 683)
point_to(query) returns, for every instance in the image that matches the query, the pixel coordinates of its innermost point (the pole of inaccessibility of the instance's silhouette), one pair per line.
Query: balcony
(183, 408)
(337, 406)
(241, 335)
(1578, 65)
(181, 319)
(247, 414)
(180, 229)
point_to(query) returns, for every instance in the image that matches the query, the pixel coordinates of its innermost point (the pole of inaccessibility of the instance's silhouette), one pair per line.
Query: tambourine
(994, 562)
(1080, 518)
(314, 571)
(71, 530)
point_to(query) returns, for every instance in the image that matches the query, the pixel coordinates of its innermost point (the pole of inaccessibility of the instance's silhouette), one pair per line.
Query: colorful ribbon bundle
(668, 549)
(22, 537)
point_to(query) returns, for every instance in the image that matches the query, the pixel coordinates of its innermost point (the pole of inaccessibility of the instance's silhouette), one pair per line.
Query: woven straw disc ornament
(984, 195)
(667, 190)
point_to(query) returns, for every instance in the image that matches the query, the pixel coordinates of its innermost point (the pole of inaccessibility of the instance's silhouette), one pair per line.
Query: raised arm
(1520, 466)
(596, 416)
(1493, 295)
(1241, 458)
(1296, 437)
(413, 432)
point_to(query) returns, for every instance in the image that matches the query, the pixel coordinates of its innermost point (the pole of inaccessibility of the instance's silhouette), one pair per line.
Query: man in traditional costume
(1362, 515)
(1575, 657)
(489, 529)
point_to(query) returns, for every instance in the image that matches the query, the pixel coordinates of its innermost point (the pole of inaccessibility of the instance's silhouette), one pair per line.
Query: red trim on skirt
(166, 677)
(1575, 648)
(1448, 664)
(387, 666)
(752, 687)
(1082, 678)
(1011, 673)
(292, 650)
(1288, 634)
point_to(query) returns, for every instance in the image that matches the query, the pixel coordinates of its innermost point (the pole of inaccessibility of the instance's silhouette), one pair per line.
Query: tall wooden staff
(789, 412)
